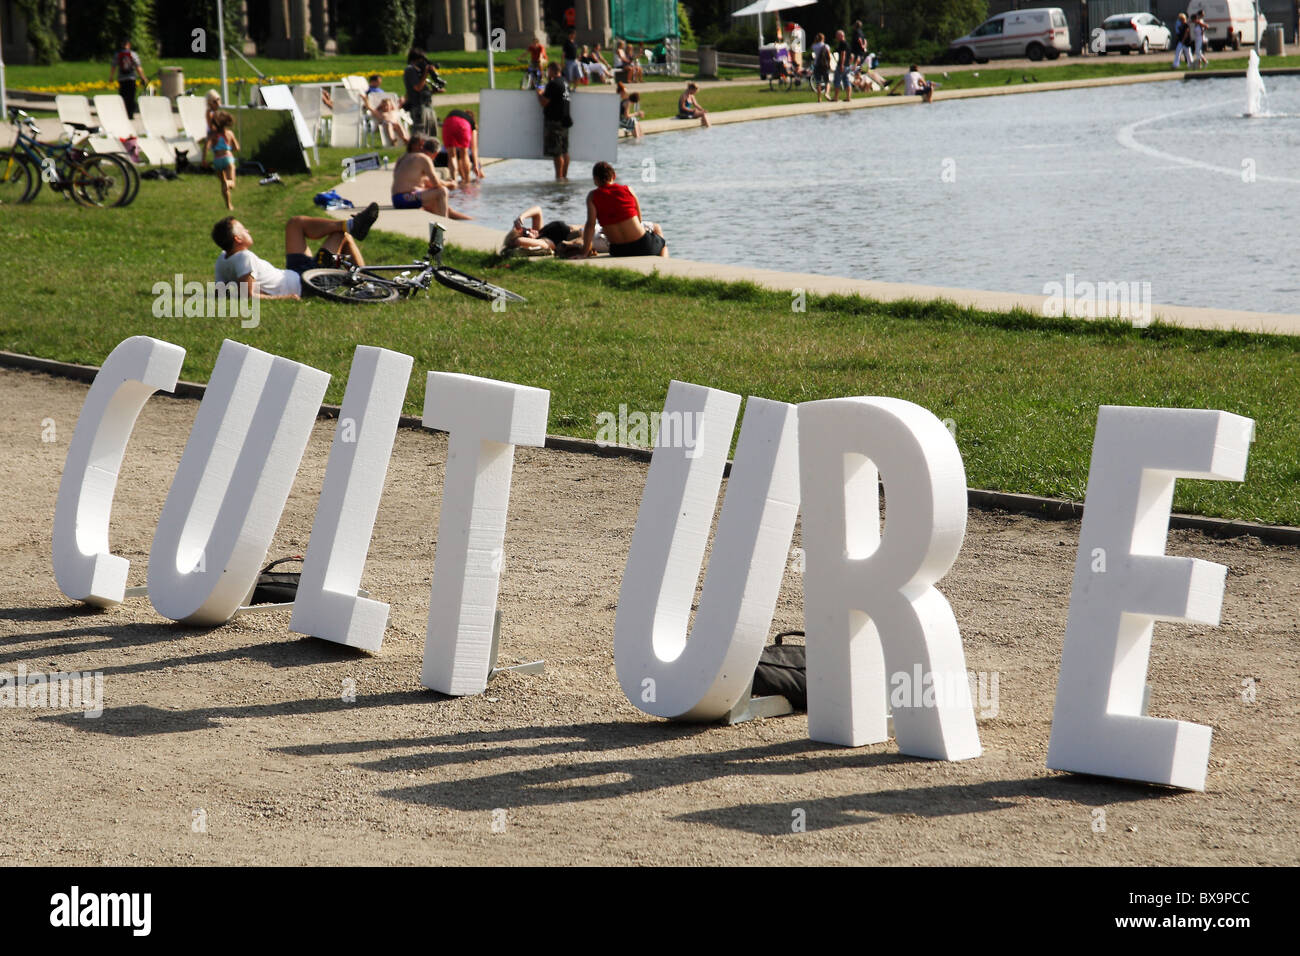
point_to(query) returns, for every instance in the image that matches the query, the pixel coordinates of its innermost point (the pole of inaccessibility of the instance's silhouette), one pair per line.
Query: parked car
(1126, 32)
(1037, 33)
(1229, 23)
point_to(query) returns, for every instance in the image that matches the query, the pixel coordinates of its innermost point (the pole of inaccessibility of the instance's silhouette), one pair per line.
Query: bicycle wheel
(101, 180)
(19, 180)
(132, 173)
(469, 285)
(337, 285)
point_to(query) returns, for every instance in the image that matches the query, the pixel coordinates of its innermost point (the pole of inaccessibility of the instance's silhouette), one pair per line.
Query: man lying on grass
(237, 264)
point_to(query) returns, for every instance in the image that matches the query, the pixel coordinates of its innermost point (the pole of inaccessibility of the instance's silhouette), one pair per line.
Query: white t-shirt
(268, 279)
(912, 83)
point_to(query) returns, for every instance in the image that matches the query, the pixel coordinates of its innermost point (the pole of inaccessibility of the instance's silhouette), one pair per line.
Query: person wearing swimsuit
(223, 144)
(689, 108)
(615, 207)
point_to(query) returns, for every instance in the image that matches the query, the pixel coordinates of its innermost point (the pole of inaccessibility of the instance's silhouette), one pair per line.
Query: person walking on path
(1199, 26)
(1182, 37)
(126, 68)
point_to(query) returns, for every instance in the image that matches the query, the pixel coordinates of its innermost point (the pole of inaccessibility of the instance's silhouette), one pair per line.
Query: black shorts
(298, 262)
(555, 138)
(650, 244)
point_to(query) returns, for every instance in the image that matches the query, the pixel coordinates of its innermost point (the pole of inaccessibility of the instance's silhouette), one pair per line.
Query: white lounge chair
(114, 121)
(74, 113)
(193, 111)
(311, 108)
(160, 123)
(348, 124)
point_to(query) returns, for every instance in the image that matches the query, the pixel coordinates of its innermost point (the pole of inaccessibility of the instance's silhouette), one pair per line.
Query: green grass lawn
(1023, 391)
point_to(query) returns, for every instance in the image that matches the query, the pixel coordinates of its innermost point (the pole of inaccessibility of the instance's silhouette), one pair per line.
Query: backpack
(783, 669)
(824, 59)
(276, 587)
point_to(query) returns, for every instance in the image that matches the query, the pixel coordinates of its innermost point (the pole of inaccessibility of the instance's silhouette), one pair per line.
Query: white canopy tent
(760, 7)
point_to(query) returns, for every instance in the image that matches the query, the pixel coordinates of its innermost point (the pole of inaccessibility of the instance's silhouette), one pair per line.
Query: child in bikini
(223, 144)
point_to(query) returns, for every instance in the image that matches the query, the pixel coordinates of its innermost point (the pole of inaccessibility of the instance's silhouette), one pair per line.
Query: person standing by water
(843, 58)
(821, 65)
(126, 68)
(556, 121)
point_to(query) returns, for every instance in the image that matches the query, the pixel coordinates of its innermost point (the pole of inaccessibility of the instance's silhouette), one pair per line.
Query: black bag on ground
(276, 587)
(783, 669)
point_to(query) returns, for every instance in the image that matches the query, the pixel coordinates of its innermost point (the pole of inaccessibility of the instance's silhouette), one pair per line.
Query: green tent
(644, 21)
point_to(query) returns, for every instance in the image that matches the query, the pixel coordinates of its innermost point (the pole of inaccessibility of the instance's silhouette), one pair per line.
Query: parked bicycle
(348, 282)
(89, 179)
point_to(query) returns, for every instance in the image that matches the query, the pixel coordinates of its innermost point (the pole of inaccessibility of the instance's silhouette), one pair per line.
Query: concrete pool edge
(373, 187)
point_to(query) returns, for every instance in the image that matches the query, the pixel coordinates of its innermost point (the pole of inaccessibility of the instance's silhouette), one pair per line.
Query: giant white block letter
(1124, 583)
(875, 623)
(232, 483)
(83, 565)
(659, 669)
(485, 420)
(327, 604)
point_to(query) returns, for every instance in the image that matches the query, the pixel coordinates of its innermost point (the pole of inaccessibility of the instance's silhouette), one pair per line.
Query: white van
(1230, 22)
(1041, 32)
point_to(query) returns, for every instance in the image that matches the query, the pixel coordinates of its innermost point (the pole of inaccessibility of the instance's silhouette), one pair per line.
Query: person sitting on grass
(915, 84)
(223, 144)
(416, 184)
(615, 207)
(237, 263)
(689, 108)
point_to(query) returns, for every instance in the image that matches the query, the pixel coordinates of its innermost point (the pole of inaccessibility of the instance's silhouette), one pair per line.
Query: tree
(377, 26)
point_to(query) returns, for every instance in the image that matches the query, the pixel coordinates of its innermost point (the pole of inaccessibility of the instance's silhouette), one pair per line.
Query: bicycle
(89, 179)
(348, 282)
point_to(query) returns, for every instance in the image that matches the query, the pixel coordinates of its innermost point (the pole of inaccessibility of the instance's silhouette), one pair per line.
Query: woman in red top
(615, 207)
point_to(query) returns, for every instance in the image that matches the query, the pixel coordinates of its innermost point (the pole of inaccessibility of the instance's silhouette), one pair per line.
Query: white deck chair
(114, 121)
(160, 123)
(357, 84)
(311, 107)
(348, 119)
(76, 110)
(193, 111)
